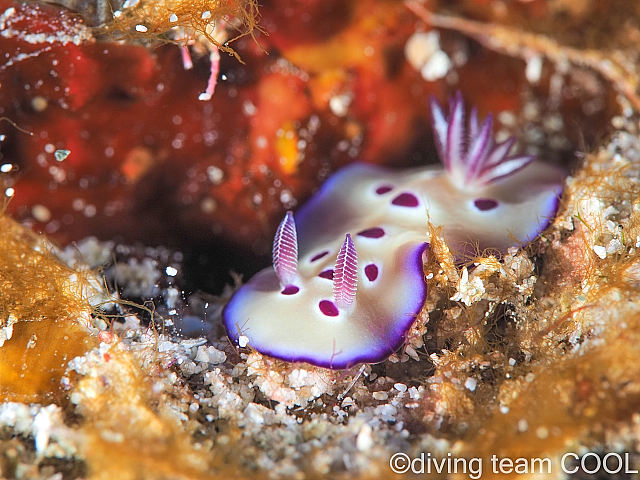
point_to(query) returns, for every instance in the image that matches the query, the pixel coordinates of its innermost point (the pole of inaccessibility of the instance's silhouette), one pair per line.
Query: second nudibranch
(347, 280)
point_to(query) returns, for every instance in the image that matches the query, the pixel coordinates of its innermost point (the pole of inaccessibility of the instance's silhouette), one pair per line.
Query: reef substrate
(534, 356)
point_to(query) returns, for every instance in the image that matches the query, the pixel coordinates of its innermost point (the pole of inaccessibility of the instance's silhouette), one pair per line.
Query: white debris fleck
(409, 350)
(61, 155)
(423, 53)
(43, 424)
(41, 213)
(437, 66)
(248, 108)
(534, 69)
(228, 403)
(243, 341)
(600, 251)
(87, 251)
(614, 246)
(215, 174)
(347, 402)
(414, 393)
(471, 384)
(171, 271)
(6, 332)
(210, 355)
(339, 105)
(9, 12)
(141, 28)
(420, 47)
(285, 197)
(39, 103)
(468, 292)
(173, 18)
(523, 425)
(364, 440)
(380, 395)
(138, 279)
(401, 387)
(387, 412)
(255, 413)
(298, 378)
(542, 433)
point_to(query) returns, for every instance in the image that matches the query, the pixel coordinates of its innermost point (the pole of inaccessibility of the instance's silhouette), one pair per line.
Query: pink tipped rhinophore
(306, 310)
(469, 153)
(285, 251)
(345, 276)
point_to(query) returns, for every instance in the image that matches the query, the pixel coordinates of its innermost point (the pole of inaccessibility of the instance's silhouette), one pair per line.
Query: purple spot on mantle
(485, 204)
(371, 271)
(328, 274)
(328, 308)
(406, 200)
(375, 232)
(319, 255)
(384, 189)
(290, 290)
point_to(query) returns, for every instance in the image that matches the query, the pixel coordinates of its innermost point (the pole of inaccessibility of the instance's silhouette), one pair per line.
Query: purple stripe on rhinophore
(479, 149)
(285, 251)
(472, 133)
(345, 274)
(499, 152)
(454, 148)
(504, 169)
(439, 126)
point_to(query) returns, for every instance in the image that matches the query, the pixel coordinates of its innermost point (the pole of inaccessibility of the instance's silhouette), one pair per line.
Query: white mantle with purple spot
(348, 277)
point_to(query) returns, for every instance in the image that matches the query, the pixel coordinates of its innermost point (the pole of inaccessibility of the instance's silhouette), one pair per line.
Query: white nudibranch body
(348, 279)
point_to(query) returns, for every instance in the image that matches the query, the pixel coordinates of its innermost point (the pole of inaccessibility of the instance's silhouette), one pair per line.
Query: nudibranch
(347, 280)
